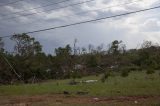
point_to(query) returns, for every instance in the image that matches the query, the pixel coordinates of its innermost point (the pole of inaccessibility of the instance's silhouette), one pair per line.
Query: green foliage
(125, 71)
(76, 74)
(134, 68)
(92, 61)
(32, 64)
(1, 46)
(117, 47)
(62, 62)
(105, 77)
(149, 55)
(26, 45)
(63, 51)
(150, 71)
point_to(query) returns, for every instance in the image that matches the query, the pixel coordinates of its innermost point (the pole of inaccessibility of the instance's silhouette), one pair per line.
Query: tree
(7, 71)
(84, 50)
(26, 45)
(74, 48)
(92, 61)
(63, 60)
(37, 47)
(100, 48)
(27, 60)
(114, 49)
(122, 48)
(1, 46)
(105, 76)
(149, 55)
(90, 48)
(66, 51)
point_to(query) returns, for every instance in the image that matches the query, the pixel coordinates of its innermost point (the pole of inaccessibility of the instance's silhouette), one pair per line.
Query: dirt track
(44, 100)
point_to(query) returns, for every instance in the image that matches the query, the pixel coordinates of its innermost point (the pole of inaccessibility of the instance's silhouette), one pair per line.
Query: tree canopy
(29, 64)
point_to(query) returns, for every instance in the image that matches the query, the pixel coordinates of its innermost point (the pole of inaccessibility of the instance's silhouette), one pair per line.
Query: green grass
(137, 83)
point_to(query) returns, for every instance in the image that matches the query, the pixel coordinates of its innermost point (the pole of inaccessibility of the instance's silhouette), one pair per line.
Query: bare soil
(59, 99)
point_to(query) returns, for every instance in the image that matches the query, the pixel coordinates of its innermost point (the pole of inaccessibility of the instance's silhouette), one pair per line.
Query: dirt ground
(63, 100)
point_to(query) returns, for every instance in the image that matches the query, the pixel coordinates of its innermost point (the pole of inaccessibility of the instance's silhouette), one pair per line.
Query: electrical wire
(98, 19)
(52, 3)
(62, 7)
(84, 12)
(94, 20)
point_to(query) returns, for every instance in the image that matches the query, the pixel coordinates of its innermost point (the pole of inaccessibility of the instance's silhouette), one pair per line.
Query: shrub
(105, 76)
(124, 73)
(103, 79)
(76, 74)
(72, 82)
(130, 68)
(150, 71)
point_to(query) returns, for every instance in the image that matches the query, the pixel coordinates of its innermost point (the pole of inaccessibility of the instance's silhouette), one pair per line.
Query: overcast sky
(132, 29)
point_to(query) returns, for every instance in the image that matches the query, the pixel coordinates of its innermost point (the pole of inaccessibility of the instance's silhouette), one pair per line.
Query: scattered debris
(88, 81)
(79, 67)
(91, 81)
(96, 99)
(135, 102)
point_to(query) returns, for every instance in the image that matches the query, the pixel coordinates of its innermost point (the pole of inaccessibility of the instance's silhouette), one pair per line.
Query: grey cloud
(92, 33)
(151, 25)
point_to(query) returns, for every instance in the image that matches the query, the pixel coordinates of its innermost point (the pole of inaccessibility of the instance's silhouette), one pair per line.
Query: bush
(133, 68)
(105, 76)
(76, 74)
(150, 71)
(72, 82)
(124, 73)
(103, 79)
(130, 68)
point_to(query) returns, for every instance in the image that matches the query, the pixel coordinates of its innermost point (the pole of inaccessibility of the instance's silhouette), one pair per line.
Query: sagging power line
(94, 20)
(62, 7)
(84, 12)
(98, 19)
(47, 5)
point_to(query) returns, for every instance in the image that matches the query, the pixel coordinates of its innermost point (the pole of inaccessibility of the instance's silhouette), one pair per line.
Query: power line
(98, 19)
(109, 7)
(11, 3)
(62, 7)
(103, 8)
(84, 12)
(94, 20)
(52, 3)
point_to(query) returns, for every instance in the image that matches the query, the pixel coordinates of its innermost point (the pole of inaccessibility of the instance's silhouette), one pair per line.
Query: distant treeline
(29, 64)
